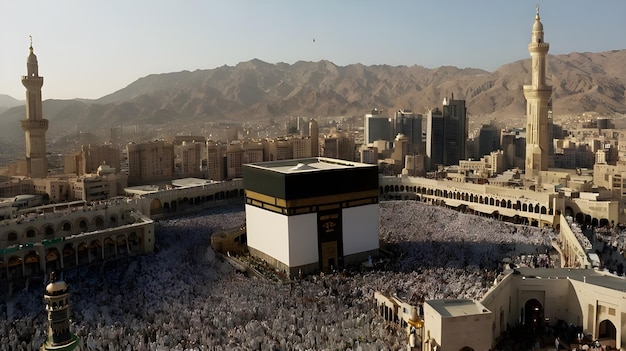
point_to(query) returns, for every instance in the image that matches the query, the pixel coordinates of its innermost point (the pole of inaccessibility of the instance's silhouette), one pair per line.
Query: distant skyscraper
(410, 124)
(434, 138)
(314, 135)
(377, 127)
(455, 132)
(446, 133)
(537, 96)
(488, 139)
(34, 126)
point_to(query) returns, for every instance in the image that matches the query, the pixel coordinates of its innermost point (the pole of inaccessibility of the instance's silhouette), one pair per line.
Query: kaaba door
(329, 256)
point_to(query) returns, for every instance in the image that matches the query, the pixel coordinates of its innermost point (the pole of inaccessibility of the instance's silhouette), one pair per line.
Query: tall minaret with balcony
(537, 96)
(34, 126)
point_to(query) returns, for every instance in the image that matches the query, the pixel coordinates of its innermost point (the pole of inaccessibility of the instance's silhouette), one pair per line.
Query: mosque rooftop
(311, 164)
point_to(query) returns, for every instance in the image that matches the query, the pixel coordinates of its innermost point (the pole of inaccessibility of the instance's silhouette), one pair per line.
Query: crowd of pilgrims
(186, 297)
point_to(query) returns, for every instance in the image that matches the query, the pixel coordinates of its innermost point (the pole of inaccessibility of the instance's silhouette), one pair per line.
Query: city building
(488, 139)
(90, 157)
(301, 147)
(215, 161)
(188, 158)
(537, 95)
(377, 127)
(34, 126)
(151, 161)
(408, 123)
(314, 136)
(314, 214)
(446, 133)
(234, 160)
(338, 145)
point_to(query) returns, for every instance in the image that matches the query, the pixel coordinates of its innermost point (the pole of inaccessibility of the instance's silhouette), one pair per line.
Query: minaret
(537, 96)
(57, 306)
(34, 126)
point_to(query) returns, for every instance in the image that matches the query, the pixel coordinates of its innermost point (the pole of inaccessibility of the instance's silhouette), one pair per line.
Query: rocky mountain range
(258, 90)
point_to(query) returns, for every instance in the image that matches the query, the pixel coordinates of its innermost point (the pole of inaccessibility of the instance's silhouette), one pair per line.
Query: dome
(538, 26)
(32, 58)
(56, 288)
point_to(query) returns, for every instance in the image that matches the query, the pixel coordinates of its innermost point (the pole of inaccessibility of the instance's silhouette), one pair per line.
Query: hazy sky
(91, 48)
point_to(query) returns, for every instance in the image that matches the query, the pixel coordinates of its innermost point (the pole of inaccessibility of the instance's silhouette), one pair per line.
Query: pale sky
(89, 48)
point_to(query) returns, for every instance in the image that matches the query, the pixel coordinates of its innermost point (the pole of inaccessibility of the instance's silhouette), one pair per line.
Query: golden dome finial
(31, 43)
(537, 15)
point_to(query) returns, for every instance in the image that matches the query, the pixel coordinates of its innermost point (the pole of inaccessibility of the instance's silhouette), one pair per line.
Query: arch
(12, 236)
(134, 243)
(607, 330)
(508, 204)
(537, 209)
(52, 254)
(587, 219)
(594, 222)
(82, 224)
(82, 253)
(109, 247)
(580, 218)
(69, 255)
(603, 222)
(543, 210)
(48, 230)
(386, 189)
(569, 212)
(525, 207)
(491, 201)
(31, 263)
(95, 250)
(533, 313)
(120, 241)
(66, 226)
(173, 204)
(31, 232)
(98, 221)
(497, 203)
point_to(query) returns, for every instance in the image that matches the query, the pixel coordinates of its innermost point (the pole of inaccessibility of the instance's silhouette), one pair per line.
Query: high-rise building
(234, 160)
(150, 161)
(189, 159)
(90, 157)
(409, 124)
(338, 145)
(434, 138)
(301, 147)
(377, 127)
(314, 135)
(455, 131)
(215, 156)
(488, 139)
(34, 126)
(446, 133)
(537, 95)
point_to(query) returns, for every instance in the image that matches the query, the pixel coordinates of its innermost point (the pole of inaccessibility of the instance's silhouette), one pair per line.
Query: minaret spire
(537, 95)
(34, 125)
